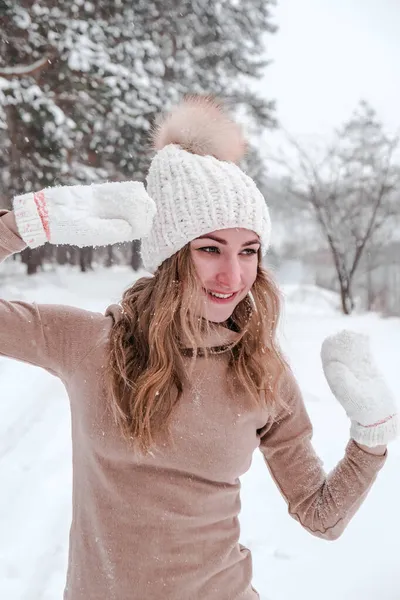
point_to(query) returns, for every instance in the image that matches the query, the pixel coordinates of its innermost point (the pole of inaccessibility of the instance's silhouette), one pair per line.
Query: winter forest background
(81, 83)
(315, 84)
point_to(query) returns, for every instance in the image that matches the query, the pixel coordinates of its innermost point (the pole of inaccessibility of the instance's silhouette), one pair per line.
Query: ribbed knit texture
(28, 219)
(195, 195)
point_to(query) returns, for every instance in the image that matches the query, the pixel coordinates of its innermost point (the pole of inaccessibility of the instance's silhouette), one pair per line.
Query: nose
(230, 274)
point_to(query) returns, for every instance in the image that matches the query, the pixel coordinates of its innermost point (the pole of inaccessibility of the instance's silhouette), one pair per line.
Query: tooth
(222, 296)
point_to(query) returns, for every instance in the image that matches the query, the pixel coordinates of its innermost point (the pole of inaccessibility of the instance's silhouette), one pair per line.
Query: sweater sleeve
(10, 243)
(54, 337)
(322, 504)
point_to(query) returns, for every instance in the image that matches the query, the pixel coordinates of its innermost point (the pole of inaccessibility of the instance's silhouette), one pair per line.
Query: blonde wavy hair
(146, 370)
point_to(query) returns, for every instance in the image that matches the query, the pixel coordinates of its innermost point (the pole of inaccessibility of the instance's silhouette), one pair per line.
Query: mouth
(219, 297)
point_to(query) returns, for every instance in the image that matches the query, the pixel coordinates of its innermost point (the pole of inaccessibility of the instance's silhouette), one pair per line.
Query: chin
(219, 312)
(218, 316)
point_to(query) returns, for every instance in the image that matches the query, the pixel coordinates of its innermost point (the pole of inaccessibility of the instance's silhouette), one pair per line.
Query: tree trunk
(136, 261)
(370, 290)
(110, 256)
(90, 254)
(74, 255)
(346, 296)
(62, 257)
(15, 156)
(344, 279)
(85, 258)
(32, 257)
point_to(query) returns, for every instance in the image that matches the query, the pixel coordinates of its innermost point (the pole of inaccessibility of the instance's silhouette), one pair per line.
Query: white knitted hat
(194, 183)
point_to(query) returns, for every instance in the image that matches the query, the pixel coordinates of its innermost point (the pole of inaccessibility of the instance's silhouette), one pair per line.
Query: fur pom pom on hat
(199, 125)
(195, 183)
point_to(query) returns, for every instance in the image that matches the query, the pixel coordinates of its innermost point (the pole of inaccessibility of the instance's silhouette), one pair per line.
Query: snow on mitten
(85, 215)
(358, 385)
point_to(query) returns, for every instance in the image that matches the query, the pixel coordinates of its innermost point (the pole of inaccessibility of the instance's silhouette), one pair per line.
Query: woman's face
(226, 263)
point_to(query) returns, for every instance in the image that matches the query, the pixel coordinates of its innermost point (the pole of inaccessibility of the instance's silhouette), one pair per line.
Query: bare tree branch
(350, 190)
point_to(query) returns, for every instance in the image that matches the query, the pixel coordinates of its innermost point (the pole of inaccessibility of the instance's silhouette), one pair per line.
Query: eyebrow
(224, 242)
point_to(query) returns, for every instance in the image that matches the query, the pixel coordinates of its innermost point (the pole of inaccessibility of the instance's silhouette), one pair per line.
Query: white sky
(328, 54)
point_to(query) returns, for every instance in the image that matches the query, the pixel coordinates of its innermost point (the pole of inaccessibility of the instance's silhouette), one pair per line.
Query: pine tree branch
(24, 70)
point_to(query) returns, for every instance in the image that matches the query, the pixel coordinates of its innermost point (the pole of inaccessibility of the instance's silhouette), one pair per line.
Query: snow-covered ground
(35, 453)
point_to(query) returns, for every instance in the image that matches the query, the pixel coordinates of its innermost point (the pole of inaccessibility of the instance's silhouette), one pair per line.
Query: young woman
(172, 390)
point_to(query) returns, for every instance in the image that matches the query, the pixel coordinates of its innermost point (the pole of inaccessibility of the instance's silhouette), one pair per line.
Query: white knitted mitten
(85, 215)
(358, 385)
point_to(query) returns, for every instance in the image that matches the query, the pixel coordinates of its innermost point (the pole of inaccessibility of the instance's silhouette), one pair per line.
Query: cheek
(202, 267)
(205, 265)
(250, 275)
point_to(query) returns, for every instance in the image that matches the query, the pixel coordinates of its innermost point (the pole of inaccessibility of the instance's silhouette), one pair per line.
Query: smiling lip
(220, 300)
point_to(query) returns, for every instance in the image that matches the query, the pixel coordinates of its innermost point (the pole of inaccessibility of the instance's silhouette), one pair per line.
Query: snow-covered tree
(352, 191)
(35, 132)
(81, 81)
(212, 46)
(103, 70)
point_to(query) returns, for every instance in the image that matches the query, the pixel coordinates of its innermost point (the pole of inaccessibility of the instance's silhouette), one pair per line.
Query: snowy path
(35, 483)
(35, 478)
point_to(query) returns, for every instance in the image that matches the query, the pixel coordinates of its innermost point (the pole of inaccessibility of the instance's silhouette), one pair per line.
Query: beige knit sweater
(165, 527)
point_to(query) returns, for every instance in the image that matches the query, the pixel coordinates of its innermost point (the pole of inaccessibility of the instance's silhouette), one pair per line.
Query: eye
(249, 251)
(209, 249)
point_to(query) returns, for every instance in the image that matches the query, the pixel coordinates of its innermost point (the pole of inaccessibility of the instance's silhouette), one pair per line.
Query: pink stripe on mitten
(41, 206)
(377, 423)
